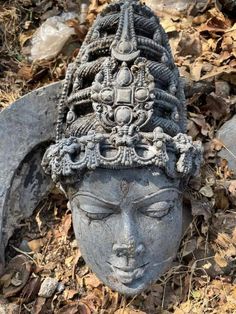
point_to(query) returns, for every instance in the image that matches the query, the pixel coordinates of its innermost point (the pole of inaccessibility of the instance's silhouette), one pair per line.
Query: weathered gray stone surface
(227, 135)
(122, 154)
(26, 128)
(48, 287)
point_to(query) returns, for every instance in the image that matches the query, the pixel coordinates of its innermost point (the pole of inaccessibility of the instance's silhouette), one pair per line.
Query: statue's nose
(128, 250)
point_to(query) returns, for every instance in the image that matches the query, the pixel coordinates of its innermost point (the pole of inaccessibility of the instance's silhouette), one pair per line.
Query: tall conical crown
(123, 102)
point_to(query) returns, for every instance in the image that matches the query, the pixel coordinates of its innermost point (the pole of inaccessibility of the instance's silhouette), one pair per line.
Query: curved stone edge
(26, 128)
(227, 135)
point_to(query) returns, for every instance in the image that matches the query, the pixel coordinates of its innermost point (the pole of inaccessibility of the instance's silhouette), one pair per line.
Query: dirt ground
(203, 277)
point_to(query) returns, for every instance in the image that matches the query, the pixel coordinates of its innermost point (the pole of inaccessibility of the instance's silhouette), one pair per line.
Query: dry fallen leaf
(189, 247)
(39, 306)
(201, 206)
(19, 268)
(75, 308)
(220, 260)
(207, 191)
(31, 289)
(35, 245)
(189, 45)
(66, 224)
(216, 106)
(92, 281)
(217, 144)
(69, 294)
(129, 311)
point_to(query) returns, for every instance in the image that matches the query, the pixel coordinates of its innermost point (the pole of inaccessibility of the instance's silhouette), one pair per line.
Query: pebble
(60, 287)
(48, 287)
(222, 88)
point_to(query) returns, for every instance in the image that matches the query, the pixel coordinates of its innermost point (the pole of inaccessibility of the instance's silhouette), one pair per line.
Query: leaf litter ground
(202, 279)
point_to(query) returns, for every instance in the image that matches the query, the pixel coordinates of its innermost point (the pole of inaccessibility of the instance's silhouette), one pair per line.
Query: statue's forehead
(114, 185)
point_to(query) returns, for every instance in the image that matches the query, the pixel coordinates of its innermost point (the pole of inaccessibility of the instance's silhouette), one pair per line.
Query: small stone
(222, 88)
(48, 287)
(60, 287)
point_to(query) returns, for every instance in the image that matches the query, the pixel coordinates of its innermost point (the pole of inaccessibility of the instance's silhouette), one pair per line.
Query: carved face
(128, 224)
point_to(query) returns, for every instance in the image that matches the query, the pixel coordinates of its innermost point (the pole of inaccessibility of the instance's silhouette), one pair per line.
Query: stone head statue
(121, 155)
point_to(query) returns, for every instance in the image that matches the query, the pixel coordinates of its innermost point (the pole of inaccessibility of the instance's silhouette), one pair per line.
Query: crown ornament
(122, 104)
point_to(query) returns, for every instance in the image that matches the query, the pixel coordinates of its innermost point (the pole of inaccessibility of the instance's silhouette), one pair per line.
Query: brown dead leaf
(5, 280)
(220, 260)
(69, 261)
(168, 24)
(66, 224)
(69, 294)
(9, 308)
(92, 281)
(200, 121)
(95, 7)
(80, 30)
(216, 106)
(35, 245)
(196, 70)
(232, 188)
(25, 72)
(193, 129)
(217, 144)
(207, 191)
(223, 169)
(19, 268)
(189, 247)
(185, 308)
(217, 22)
(129, 311)
(224, 69)
(201, 206)
(76, 260)
(221, 199)
(189, 45)
(31, 290)
(234, 235)
(223, 240)
(24, 37)
(39, 306)
(38, 219)
(75, 308)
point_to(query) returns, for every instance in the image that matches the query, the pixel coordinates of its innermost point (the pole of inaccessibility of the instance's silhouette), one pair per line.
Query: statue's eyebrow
(148, 197)
(97, 198)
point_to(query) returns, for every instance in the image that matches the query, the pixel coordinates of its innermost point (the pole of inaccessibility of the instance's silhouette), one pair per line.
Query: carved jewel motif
(123, 100)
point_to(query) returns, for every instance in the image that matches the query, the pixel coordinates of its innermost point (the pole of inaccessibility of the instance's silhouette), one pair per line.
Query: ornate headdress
(123, 104)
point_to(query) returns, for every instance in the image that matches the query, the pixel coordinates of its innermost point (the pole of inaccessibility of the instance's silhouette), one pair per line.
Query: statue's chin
(137, 287)
(133, 282)
(127, 286)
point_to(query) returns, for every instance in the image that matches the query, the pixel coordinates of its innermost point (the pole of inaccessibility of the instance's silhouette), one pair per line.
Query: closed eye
(157, 210)
(96, 216)
(95, 208)
(97, 213)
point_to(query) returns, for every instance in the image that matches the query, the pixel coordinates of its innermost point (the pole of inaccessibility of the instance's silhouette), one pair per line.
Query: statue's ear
(27, 127)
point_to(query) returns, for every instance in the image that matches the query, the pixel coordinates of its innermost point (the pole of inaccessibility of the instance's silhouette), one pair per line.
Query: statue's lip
(129, 269)
(128, 274)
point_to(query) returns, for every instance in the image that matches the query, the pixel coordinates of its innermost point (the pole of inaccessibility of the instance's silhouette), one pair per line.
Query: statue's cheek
(161, 233)
(93, 233)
